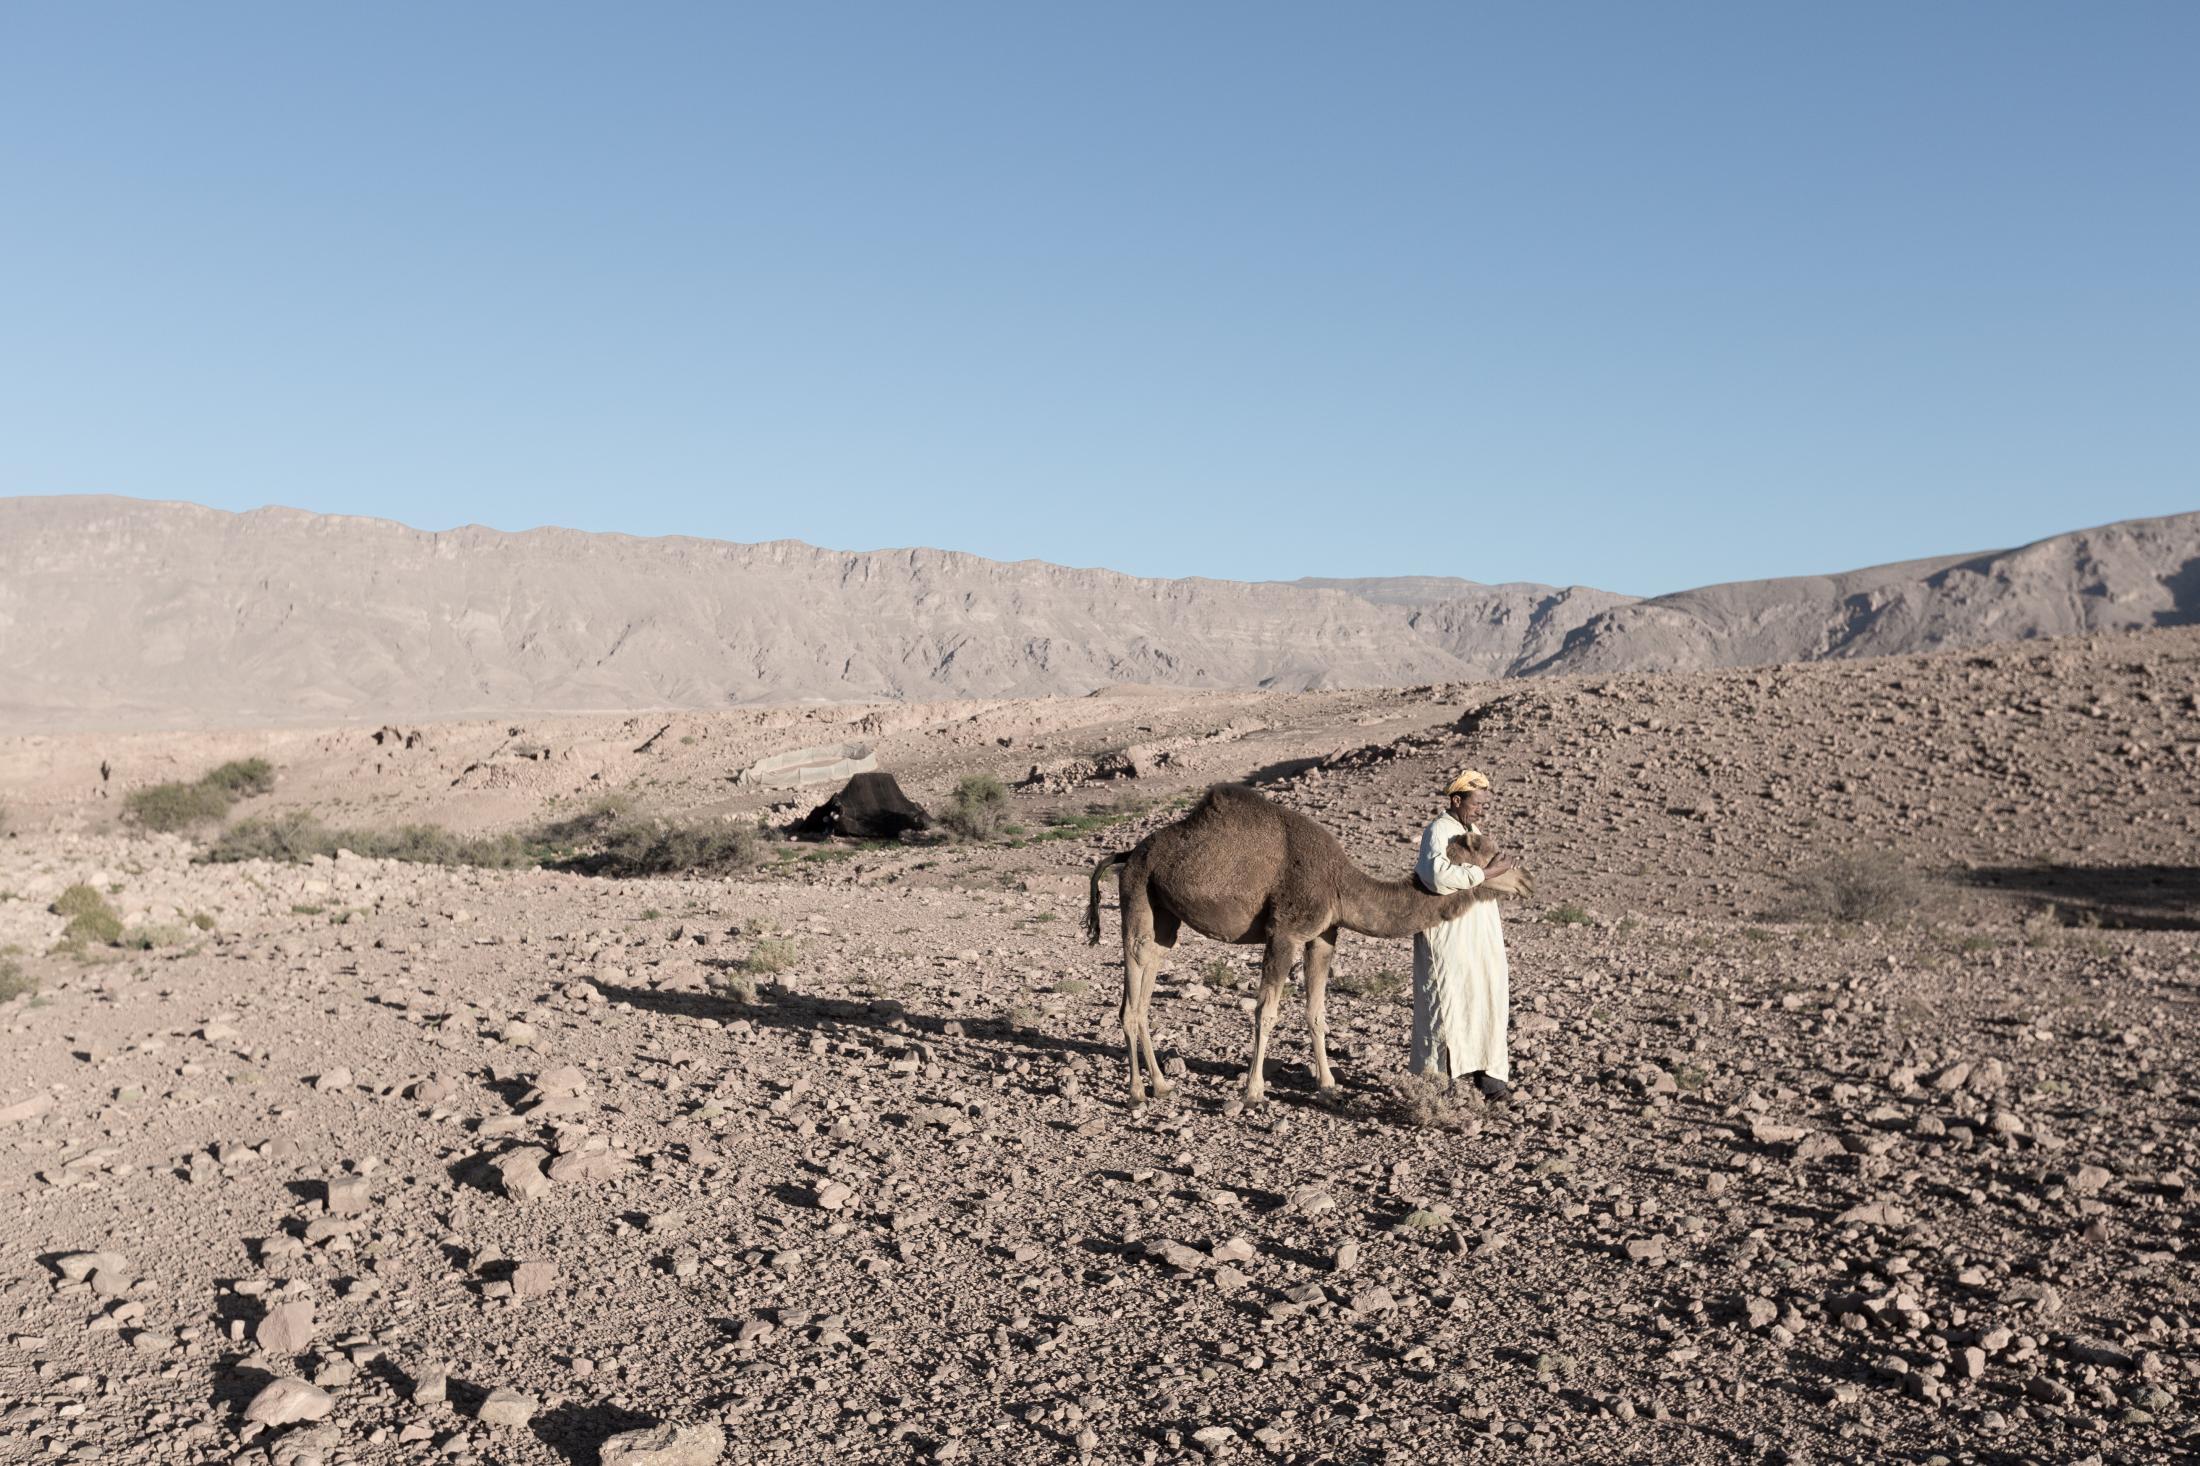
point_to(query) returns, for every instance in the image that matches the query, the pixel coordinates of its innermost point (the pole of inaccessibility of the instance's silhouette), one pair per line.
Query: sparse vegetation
(147, 938)
(297, 837)
(1383, 983)
(1852, 888)
(167, 808)
(978, 809)
(14, 981)
(609, 838)
(1568, 915)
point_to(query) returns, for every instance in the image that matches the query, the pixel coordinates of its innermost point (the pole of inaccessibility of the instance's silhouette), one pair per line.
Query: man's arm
(1437, 871)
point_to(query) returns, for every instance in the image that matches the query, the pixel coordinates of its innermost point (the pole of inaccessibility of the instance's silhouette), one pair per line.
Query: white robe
(1460, 982)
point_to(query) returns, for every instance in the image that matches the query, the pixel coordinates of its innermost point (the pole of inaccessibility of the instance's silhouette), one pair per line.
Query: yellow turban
(1468, 781)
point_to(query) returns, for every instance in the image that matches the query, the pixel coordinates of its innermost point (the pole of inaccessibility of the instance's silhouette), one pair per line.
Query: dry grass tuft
(1423, 1102)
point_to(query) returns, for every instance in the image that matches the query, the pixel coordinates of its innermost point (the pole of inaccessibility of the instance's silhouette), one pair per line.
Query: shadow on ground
(2141, 897)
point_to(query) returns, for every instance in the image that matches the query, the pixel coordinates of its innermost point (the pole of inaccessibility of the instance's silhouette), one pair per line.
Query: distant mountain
(124, 612)
(2119, 577)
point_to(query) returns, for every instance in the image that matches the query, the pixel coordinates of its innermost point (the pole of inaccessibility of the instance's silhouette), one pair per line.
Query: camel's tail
(1092, 905)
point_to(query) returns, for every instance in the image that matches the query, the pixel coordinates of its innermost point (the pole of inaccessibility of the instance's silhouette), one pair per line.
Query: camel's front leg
(1319, 954)
(1275, 970)
(1141, 964)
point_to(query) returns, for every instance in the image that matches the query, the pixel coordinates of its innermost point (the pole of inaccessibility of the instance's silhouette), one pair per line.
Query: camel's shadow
(830, 1016)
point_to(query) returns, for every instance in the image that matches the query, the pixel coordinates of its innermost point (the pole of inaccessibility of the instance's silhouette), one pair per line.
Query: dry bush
(612, 838)
(1568, 915)
(734, 984)
(14, 981)
(1423, 1102)
(589, 824)
(978, 809)
(1851, 888)
(769, 957)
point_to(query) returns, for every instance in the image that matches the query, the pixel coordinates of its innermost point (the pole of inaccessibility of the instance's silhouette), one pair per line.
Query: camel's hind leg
(1275, 971)
(1319, 953)
(1141, 965)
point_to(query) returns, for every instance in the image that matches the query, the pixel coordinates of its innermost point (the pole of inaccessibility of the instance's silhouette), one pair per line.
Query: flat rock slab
(666, 1445)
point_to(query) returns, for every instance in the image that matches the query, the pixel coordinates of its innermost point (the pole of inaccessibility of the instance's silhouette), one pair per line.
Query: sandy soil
(494, 1162)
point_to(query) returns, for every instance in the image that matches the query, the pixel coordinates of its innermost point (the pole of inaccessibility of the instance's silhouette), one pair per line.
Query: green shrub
(297, 837)
(14, 981)
(1568, 915)
(167, 808)
(978, 809)
(242, 778)
(79, 900)
(608, 838)
(652, 847)
(92, 922)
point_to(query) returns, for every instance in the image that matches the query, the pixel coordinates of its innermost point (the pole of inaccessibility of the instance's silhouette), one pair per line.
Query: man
(1460, 992)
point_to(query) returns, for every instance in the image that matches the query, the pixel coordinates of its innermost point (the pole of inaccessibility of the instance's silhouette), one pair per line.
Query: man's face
(1469, 807)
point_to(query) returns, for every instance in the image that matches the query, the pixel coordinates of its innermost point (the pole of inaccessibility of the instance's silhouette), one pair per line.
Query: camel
(1240, 869)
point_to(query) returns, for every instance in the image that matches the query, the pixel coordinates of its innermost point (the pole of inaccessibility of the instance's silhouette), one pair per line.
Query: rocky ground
(387, 1162)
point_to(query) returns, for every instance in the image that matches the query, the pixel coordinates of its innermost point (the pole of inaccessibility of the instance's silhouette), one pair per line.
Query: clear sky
(1631, 295)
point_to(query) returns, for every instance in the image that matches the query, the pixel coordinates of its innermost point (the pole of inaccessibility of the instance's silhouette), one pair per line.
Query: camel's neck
(1387, 908)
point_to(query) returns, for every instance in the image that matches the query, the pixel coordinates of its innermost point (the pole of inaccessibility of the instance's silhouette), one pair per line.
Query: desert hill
(826, 1157)
(118, 613)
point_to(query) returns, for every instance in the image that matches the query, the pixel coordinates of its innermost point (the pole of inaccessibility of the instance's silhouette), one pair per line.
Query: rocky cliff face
(119, 612)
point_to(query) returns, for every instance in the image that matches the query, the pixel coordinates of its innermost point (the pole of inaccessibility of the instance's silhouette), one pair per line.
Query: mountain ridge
(126, 612)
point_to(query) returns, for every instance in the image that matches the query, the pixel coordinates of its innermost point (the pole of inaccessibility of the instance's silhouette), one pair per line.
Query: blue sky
(1637, 296)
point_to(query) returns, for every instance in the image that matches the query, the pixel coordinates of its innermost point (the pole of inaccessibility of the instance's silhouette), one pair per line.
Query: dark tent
(868, 807)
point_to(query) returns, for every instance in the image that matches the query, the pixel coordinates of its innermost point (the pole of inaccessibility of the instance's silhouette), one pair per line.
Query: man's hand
(1511, 881)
